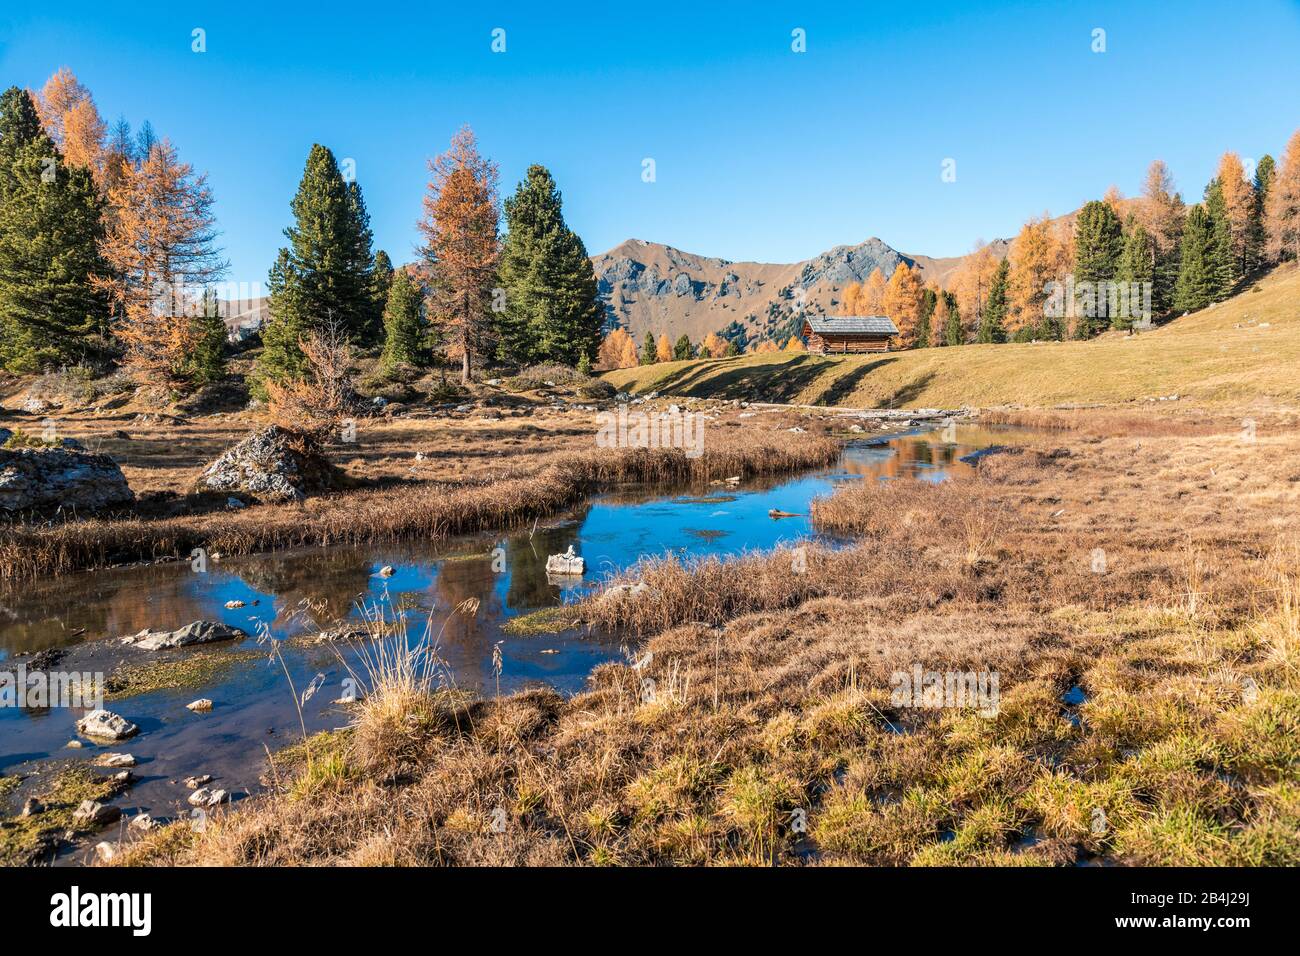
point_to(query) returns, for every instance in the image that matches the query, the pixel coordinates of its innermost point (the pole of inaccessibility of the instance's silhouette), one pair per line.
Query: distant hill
(648, 286)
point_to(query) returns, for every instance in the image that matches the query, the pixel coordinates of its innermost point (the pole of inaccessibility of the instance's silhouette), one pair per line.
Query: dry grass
(763, 697)
(428, 511)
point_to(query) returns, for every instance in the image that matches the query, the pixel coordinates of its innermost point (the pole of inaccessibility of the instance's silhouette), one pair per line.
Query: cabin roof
(852, 324)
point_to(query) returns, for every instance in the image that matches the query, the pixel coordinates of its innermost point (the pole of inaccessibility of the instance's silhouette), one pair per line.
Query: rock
(232, 605)
(115, 760)
(387, 571)
(122, 777)
(105, 851)
(106, 725)
(73, 744)
(567, 563)
(202, 705)
(5, 435)
(379, 402)
(95, 814)
(44, 479)
(203, 797)
(195, 782)
(35, 406)
(199, 632)
(234, 504)
(142, 822)
(32, 806)
(272, 464)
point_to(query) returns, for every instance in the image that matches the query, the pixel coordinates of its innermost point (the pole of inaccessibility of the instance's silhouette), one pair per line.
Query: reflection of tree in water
(526, 562)
(330, 582)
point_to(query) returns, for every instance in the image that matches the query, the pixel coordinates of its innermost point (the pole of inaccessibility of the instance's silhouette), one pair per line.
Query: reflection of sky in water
(612, 532)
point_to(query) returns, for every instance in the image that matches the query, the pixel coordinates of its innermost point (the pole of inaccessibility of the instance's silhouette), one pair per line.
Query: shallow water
(504, 573)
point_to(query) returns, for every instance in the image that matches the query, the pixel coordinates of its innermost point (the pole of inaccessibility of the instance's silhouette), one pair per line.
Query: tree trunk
(464, 366)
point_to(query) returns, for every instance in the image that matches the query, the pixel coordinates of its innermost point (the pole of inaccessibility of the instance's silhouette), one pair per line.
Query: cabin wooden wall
(847, 344)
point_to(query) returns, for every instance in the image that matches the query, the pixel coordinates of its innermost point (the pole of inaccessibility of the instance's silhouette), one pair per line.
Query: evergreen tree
(206, 361)
(361, 264)
(1196, 281)
(324, 273)
(683, 349)
(648, 349)
(1222, 263)
(403, 323)
(50, 228)
(381, 278)
(1098, 242)
(929, 299)
(953, 333)
(552, 306)
(1136, 270)
(993, 322)
(1264, 171)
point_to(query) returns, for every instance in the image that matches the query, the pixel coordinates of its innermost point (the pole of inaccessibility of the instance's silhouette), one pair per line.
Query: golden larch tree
(902, 303)
(663, 348)
(1283, 214)
(617, 350)
(971, 281)
(871, 301)
(852, 297)
(1238, 204)
(461, 247)
(161, 246)
(1037, 257)
(714, 345)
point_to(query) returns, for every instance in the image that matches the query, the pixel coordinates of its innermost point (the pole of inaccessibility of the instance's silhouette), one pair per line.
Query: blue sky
(761, 153)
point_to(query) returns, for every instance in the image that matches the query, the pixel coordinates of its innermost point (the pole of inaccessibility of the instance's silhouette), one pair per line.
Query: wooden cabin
(847, 334)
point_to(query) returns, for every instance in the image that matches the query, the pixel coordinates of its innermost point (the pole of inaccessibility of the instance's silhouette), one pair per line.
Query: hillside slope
(1244, 350)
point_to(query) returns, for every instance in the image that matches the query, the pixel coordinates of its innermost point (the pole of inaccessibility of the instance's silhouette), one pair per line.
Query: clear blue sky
(761, 153)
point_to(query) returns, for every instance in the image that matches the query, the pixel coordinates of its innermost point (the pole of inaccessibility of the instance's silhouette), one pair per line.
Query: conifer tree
(403, 323)
(683, 349)
(366, 327)
(929, 299)
(1098, 240)
(381, 279)
(1264, 171)
(552, 306)
(1222, 263)
(993, 326)
(1162, 213)
(1136, 269)
(953, 333)
(1196, 281)
(323, 273)
(50, 229)
(648, 349)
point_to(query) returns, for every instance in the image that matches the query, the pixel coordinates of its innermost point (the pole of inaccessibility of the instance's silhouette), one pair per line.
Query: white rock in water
(202, 704)
(195, 782)
(567, 563)
(105, 851)
(387, 571)
(232, 605)
(115, 760)
(106, 725)
(143, 822)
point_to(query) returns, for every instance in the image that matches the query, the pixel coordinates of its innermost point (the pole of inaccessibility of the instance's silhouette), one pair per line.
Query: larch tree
(1037, 258)
(713, 346)
(617, 350)
(51, 226)
(663, 348)
(871, 299)
(939, 320)
(1162, 214)
(902, 303)
(461, 248)
(1283, 204)
(971, 281)
(161, 247)
(793, 344)
(1238, 206)
(851, 299)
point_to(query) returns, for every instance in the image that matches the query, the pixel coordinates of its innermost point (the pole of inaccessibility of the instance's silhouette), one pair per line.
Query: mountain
(648, 286)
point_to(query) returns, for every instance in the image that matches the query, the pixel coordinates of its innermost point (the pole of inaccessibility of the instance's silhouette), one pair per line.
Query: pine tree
(929, 299)
(1136, 268)
(403, 323)
(206, 361)
(953, 333)
(50, 229)
(648, 349)
(1098, 242)
(683, 349)
(1222, 262)
(366, 326)
(1196, 281)
(320, 276)
(381, 279)
(993, 323)
(1264, 171)
(552, 309)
